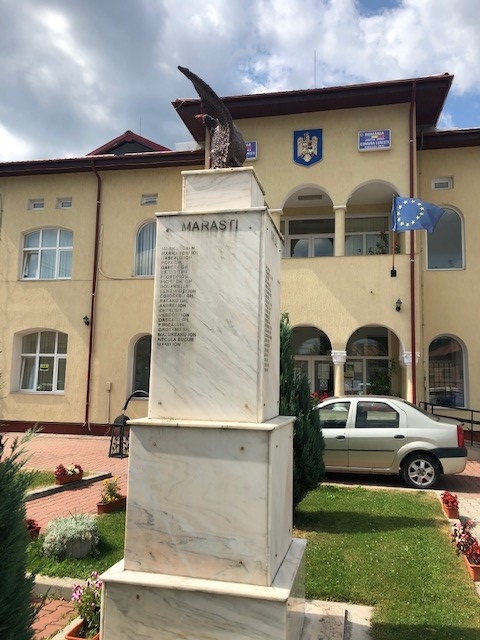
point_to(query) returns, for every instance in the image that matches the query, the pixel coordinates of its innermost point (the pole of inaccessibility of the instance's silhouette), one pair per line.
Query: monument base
(209, 500)
(151, 605)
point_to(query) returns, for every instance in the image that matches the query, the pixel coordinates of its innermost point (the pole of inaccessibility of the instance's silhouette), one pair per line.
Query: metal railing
(466, 415)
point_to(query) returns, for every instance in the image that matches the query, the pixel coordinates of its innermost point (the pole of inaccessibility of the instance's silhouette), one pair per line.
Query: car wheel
(420, 471)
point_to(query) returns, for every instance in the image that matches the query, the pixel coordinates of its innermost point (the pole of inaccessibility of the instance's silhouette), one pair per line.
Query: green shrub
(296, 400)
(71, 537)
(16, 611)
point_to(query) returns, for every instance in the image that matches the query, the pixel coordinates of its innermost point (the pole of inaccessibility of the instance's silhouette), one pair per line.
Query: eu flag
(409, 214)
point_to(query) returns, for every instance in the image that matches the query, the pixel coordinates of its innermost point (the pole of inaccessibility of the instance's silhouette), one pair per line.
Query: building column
(406, 362)
(339, 242)
(339, 358)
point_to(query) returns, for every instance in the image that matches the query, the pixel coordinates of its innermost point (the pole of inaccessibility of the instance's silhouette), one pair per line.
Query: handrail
(458, 412)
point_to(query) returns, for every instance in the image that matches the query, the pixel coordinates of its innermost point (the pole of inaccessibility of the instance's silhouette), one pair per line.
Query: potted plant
(33, 528)
(87, 600)
(468, 546)
(65, 475)
(74, 536)
(450, 504)
(111, 499)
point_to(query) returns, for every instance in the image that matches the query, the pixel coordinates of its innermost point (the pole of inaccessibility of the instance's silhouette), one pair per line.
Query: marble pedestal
(149, 605)
(209, 553)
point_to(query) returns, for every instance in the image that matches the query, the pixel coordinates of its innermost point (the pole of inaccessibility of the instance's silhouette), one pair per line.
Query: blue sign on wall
(251, 150)
(374, 140)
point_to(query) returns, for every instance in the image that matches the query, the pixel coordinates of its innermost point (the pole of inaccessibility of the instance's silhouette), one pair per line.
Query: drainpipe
(94, 291)
(413, 138)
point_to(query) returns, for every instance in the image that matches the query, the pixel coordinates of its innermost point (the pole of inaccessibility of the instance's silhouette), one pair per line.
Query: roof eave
(431, 93)
(153, 160)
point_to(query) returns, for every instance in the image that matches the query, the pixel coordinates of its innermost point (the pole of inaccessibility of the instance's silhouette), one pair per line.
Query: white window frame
(365, 234)
(134, 363)
(39, 250)
(56, 358)
(144, 266)
(309, 237)
(462, 243)
(64, 203)
(36, 204)
(149, 199)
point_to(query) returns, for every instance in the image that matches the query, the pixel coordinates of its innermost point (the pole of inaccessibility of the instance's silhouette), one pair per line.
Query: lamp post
(120, 439)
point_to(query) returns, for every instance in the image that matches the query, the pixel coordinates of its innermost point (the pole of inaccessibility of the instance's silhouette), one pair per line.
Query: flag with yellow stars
(410, 214)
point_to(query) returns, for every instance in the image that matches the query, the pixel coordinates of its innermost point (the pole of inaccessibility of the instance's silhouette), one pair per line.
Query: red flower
(450, 500)
(31, 524)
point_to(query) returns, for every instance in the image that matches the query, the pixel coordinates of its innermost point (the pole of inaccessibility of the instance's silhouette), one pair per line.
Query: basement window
(149, 198)
(64, 203)
(36, 203)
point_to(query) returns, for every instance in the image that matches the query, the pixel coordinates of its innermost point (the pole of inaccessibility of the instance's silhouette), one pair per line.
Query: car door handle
(340, 438)
(399, 436)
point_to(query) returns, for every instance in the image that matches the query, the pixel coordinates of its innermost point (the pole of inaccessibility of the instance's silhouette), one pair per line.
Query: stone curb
(55, 587)
(57, 488)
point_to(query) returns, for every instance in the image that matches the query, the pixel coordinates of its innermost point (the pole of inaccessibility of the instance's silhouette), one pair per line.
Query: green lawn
(386, 549)
(390, 550)
(39, 479)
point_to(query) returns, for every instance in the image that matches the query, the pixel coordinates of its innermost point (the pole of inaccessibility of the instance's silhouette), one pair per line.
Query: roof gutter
(94, 292)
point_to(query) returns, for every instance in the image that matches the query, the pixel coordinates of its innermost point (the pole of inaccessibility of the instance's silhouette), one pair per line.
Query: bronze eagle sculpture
(227, 146)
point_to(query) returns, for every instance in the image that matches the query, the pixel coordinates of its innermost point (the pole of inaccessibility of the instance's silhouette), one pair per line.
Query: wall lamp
(398, 305)
(86, 320)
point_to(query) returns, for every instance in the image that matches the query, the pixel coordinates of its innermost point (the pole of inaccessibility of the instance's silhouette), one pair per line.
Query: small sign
(44, 367)
(307, 146)
(251, 150)
(379, 140)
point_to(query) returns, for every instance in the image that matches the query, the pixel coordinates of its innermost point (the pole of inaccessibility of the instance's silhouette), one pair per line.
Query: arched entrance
(312, 352)
(371, 364)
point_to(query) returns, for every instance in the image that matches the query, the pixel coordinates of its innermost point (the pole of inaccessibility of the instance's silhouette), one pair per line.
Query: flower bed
(467, 545)
(450, 505)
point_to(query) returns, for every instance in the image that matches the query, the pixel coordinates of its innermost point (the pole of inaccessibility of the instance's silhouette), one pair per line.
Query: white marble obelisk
(209, 551)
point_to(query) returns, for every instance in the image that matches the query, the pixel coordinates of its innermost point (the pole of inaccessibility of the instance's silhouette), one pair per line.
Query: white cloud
(13, 147)
(77, 74)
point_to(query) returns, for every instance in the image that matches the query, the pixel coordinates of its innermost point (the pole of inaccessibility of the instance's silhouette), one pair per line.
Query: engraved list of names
(174, 297)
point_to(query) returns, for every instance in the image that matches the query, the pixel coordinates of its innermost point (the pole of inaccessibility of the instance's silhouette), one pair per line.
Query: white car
(377, 434)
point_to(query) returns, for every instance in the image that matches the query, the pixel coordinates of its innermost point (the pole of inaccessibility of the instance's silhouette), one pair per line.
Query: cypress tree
(296, 400)
(16, 610)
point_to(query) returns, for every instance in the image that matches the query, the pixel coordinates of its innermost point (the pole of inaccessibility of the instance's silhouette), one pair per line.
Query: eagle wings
(227, 146)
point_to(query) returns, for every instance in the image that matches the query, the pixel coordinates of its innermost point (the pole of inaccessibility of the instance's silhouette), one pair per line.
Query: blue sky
(77, 74)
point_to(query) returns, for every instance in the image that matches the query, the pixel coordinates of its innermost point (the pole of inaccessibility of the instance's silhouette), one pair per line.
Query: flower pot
(78, 548)
(68, 478)
(109, 507)
(34, 533)
(451, 512)
(473, 569)
(76, 633)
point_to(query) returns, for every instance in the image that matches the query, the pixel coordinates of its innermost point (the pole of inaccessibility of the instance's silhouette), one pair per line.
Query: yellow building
(372, 310)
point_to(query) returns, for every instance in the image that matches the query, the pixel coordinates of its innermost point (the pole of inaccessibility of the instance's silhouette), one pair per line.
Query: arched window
(312, 352)
(43, 362)
(141, 364)
(446, 379)
(47, 254)
(445, 244)
(145, 250)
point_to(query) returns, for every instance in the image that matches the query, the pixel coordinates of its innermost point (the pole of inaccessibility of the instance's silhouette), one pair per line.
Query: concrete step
(336, 621)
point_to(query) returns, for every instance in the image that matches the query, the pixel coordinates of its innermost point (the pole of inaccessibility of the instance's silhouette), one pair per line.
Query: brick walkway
(46, 451)
(54, 615)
